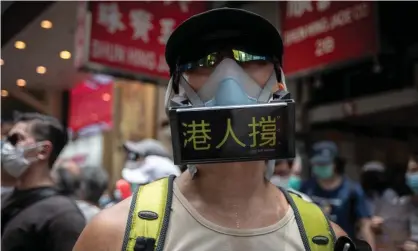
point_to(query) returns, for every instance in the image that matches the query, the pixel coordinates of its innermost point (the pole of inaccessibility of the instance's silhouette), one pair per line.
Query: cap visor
(321, 160)
(224, 27)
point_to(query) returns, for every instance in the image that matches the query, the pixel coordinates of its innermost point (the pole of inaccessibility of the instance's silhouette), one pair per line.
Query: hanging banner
(130, 37)
(317, 34)
(91, 103)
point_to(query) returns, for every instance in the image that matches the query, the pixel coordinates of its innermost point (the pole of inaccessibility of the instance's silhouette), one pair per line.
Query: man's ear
(45, 150)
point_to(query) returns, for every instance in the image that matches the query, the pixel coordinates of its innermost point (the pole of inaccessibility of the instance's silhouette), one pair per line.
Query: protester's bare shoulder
(338, 230)
(106, 230)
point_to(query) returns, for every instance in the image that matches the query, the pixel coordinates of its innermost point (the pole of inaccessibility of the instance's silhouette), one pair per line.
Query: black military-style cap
(223, 28)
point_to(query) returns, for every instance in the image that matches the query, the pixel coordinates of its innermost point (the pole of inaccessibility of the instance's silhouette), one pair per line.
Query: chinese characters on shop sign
(132, 35)
(326, 32)
(327, 44)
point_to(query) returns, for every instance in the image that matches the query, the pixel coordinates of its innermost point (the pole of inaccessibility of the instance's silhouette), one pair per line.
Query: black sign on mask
(233, 133)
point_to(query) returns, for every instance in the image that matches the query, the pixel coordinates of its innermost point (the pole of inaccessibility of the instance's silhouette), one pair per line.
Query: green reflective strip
(151, 197)
(314, 222)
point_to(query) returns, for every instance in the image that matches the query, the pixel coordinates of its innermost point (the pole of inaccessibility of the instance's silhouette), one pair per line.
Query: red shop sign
(321, 33)
(91, 103)
(129, 37)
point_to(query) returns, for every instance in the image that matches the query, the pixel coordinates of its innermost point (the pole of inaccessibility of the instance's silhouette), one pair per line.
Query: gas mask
(230, 119)
(13, 158)
(229, 85)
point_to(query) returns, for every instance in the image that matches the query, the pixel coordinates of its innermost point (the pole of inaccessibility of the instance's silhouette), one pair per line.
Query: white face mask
(279, 181)
(131, 164)
(13, 159)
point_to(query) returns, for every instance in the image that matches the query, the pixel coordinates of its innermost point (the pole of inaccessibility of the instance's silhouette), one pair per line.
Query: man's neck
(35, 177)
(237, 190)
(227, 182)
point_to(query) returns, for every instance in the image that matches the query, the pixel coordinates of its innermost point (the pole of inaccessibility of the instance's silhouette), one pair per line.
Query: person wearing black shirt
(35, 216)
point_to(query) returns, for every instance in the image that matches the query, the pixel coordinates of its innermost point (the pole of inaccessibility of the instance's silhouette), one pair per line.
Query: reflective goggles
(214, 58)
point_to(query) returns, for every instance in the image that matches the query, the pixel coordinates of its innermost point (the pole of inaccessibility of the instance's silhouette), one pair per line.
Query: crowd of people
(45, 206)
(382, 208)
(256, 204)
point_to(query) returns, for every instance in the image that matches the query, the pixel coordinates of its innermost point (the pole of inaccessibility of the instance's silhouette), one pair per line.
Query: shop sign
(91, 103)
(130, 37)
(317, 34)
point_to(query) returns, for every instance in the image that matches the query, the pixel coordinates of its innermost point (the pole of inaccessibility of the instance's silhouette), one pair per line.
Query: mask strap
(269, 169)
(282, 78)
(175, 100)
(192, 170)
(168, 95)
(266, 93)
(190, 93)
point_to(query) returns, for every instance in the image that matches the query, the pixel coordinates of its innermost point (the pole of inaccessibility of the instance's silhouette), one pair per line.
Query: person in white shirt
(146, 161)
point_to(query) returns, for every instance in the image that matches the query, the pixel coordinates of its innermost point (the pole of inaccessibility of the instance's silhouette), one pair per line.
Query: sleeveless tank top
(189, 231)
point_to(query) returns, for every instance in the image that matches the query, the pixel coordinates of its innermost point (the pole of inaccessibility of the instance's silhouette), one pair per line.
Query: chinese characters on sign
(198, 134)
(131, 36)
(228, 134)
(110, 17)
(326, 32)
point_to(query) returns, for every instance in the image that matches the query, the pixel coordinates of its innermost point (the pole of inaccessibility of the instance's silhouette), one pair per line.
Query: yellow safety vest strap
(150, 212)
(314, 227)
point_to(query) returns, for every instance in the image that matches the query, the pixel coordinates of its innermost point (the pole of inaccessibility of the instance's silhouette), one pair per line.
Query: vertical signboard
(91, 103)
(130, 37)
(317, 34)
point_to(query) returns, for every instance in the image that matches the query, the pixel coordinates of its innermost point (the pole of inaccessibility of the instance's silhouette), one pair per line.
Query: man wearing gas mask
(35, 216)
(226, 77)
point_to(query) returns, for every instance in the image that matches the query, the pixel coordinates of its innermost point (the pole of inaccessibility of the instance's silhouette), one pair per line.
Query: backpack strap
(149, 216)
(314, 227)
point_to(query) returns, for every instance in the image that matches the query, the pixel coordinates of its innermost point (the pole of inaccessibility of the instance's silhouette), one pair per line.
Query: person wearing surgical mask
(342, 199)
(283, 175)
(411, 178)
(35, 216)
(389, 208)
(287, 175)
